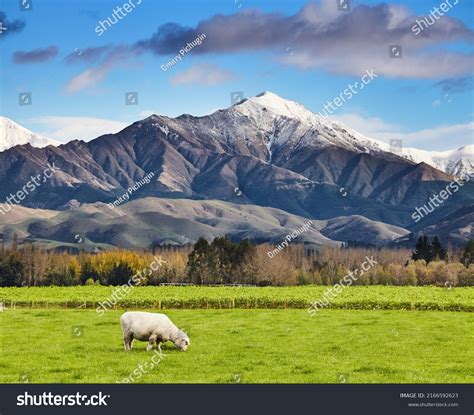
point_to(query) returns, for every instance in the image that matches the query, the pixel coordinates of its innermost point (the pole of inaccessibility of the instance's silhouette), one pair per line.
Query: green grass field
(253, 345)
(244, 346)
(361, 297)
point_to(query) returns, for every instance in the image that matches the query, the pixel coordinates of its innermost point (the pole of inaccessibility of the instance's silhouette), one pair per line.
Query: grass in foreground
(243, 346)
(358, 297)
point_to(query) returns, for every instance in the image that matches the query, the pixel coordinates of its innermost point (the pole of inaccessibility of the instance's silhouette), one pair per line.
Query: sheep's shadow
(140, 347)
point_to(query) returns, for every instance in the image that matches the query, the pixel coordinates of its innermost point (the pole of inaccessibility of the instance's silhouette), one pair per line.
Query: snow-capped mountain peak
(273, 112)
(13, 134)
(277, 106)
(293, 126)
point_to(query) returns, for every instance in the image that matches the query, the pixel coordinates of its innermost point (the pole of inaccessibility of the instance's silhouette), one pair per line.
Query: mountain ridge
(150, 221)
(268, 153)
(457, 162)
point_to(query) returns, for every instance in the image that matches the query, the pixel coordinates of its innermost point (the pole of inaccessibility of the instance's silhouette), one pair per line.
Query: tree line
(223, 261)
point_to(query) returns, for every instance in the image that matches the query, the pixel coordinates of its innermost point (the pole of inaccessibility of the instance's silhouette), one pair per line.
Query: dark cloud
(321, 38)
(168, 39)
(12, 26)
(35, 56)
(232, 33)
(324, 38)
(456, 85)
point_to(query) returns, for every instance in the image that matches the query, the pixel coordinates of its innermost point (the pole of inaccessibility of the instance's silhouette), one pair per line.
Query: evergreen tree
(88, 271)
(198, 262)
(220, 262)
(120, 274)
(11, 269)
(467, 257)
(439, 253)
(423, 250)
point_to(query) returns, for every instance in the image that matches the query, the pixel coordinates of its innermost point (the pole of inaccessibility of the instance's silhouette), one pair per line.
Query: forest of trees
(223, 261)
(429, 251)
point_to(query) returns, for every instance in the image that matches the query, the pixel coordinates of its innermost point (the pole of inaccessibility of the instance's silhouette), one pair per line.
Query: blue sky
(304, 51)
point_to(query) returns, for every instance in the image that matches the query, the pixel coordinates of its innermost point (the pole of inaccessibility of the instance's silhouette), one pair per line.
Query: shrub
(466, 276)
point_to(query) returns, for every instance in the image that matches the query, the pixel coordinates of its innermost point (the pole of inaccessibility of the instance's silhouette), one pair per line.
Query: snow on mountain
(291, 120)
(456, 162)
(277, 105)
(269, 109)
(13, 134)
(290, 125)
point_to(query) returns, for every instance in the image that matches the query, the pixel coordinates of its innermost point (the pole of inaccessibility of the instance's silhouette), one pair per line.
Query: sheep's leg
(151, 342)
(127, 342)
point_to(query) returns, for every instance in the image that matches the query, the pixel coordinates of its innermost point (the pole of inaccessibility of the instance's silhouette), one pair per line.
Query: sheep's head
(182, 342)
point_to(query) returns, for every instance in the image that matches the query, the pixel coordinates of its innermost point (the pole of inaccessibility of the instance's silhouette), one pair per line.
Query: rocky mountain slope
(263, 151)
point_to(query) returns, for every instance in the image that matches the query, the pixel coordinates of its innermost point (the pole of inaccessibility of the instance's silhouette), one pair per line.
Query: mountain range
(263, 157)
(456, 162)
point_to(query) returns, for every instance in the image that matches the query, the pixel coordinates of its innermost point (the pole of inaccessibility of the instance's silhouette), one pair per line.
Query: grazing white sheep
(152, 327)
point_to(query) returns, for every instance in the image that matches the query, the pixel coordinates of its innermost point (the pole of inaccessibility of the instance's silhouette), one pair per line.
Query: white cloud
(329, 35)
(441, 137)
(203, 74)
(66, 129)
(370, 126)
(91, 77)
(86, 79)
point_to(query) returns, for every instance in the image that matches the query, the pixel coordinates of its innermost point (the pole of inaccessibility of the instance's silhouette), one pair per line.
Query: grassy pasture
(242, 335)
(243, 346)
